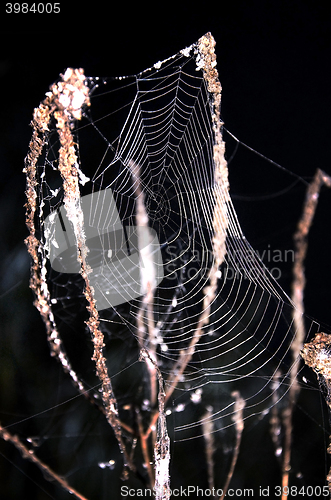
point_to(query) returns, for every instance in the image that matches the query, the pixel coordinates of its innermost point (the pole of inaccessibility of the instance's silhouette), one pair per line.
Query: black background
(274, 66)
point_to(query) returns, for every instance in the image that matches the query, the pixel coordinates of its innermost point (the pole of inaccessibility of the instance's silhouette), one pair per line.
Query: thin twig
(275, 421)
(162, 449)
(208, 435)
(148, 280)
(298, 286)
(145, 451)
(239, 422)
(162, 441)
(30, 455)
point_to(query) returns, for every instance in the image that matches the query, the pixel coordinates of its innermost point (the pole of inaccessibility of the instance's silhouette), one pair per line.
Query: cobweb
(136, 243)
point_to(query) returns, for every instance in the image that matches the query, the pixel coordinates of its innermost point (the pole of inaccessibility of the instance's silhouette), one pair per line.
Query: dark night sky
(274, 66)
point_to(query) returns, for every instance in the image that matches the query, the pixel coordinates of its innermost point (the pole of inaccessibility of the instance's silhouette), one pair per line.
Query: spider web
(150, 141)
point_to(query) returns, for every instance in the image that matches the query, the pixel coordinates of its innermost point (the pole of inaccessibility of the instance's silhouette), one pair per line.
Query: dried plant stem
(299, 280)
(317, 355)
(238, 419)
(145, 451)
(65, 101)
(208, 435)
(38, 282)
(186, 354)
(206, 60)
(30, 455)
(275, 420)
(298, 286)
(147, 280)
(160, 439)
(68, 167)
(162, 449)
